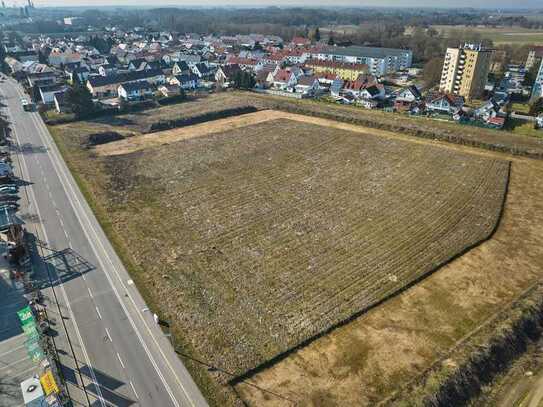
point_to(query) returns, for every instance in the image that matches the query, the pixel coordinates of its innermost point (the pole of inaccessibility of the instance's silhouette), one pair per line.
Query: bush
(103, 138)
(171, 100)
(189, 121)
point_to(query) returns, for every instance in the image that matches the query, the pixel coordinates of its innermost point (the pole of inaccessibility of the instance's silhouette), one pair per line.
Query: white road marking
(134, 389)
(98, 312)
(12, 350)
(24, 169)
(14, 363)
(108, 335)
(64, 179)
(90, 293)
(120, 360)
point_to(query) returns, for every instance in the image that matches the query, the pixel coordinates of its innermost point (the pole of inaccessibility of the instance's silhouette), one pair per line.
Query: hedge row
(202, 118)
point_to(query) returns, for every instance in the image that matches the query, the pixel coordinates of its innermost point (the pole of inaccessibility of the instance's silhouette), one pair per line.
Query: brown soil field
(257, 238)
(371, 358)
(367, 361)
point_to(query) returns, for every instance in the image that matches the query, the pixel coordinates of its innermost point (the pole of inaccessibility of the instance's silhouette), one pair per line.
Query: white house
(186, 82)
(284, 80)
(307, 85)
(47, 93)
(409, 94)
(135, 90)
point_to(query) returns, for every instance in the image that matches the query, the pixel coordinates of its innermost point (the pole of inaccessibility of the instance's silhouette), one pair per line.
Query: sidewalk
(15, 363)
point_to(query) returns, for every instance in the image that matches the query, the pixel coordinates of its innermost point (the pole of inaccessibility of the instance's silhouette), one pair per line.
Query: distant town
(270, 206)
(478, 85)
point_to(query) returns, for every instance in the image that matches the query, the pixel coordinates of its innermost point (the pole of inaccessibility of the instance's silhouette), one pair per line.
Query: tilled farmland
(257, 239)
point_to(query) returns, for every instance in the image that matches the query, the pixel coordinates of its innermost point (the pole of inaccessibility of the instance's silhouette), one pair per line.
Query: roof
(133, 86)
(186, 78)
(52, 88)
(499, 121)
(369, 52)
(282, 75)
(123, 77)
(373, 90)
(60, 97)
(338, 65)
(231, 69)
(307, 80)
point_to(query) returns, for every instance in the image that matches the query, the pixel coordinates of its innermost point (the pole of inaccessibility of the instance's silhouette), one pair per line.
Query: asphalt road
(124, 357)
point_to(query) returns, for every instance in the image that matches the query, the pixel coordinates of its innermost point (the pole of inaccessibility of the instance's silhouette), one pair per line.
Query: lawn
(522, 108)
(523, 127)
(499, 35)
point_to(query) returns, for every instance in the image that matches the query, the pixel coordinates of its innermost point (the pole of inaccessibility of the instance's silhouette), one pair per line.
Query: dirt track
(144, 141)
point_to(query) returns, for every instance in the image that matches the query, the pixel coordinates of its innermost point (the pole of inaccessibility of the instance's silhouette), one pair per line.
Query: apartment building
(537, 90)
(465, 71)
(380, 61)
(344, 70)
(535, 55)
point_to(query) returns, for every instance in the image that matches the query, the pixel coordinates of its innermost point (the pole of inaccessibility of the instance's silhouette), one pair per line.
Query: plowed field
(255, 239)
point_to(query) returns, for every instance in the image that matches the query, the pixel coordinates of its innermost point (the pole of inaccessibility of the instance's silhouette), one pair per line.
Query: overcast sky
(253, 3)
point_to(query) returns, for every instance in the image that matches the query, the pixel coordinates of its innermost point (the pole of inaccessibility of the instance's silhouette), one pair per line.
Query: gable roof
(124, 77)
(133, 86)
(307, 80)
(282, 75)
(186, 78)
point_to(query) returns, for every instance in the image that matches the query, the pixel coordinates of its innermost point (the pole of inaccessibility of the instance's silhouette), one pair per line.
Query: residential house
(186, 82)
(138, 64)
(444, 103)
(406, 98)
(225, 73)
(180, 68)
(59, 57)
(169, 90)
(47, 93)
(244, 63)
(202, 70)
(375, 92)
(307, 85)
(409, 94)
(80, 74)
(107, 86)
(133, 91)
(24, 56)
(284, 80)
(59, 99)
(43, 78)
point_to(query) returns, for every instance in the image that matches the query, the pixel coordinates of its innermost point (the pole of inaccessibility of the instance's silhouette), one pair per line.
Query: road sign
(36, 355)
(48, 383)
(25, 316)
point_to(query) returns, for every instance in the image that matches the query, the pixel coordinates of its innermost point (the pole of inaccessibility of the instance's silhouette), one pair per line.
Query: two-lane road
(125, 358)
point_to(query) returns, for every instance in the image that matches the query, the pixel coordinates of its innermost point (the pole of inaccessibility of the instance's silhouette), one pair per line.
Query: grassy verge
(523, 128)
(214, 394)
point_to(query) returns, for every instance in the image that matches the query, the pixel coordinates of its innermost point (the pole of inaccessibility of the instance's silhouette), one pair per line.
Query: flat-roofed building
(380, 61)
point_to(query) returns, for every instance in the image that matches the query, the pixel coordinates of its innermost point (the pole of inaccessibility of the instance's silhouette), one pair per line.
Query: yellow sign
(48, 383)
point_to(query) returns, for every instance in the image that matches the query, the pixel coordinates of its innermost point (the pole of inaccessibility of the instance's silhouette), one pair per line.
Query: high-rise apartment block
(465, 71)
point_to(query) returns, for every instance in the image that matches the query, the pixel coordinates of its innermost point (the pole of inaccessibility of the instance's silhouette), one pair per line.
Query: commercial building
(465, 71)
(380, 61)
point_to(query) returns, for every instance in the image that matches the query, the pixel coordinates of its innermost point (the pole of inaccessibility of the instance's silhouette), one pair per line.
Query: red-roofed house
(301, 42)
(444, 103)
(284, 79)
